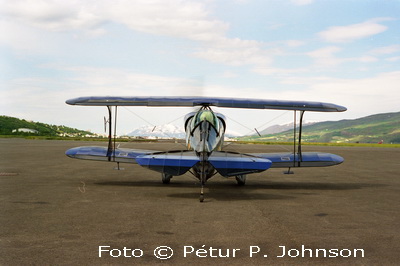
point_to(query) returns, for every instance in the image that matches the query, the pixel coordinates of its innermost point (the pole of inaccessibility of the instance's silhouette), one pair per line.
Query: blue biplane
(205, 130)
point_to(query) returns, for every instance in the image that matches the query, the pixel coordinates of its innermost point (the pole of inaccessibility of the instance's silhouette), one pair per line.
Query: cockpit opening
(206, 115)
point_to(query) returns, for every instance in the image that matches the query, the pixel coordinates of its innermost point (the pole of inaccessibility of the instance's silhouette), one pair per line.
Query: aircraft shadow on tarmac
(225, 190)
(249, 186)
(230, 195)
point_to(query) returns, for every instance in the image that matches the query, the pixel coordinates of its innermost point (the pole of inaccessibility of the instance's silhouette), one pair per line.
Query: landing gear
(203, 179)
(201, 194)
(166, 178)
(241, 180)
(288, 172)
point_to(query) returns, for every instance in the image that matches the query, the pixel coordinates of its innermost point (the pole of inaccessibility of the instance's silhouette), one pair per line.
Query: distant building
(25, 130)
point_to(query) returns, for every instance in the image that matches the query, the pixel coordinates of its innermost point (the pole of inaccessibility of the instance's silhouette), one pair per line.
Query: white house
(25, 130)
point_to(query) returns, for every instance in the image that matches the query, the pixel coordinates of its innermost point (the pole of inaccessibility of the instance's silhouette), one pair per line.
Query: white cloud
(277, 71)
(20, 38)
(393, 59)
(325, 56)
(229, 74)
(367, 59)
(53, 15)
(379, 93)
(274, 26)
(176, 18)
(295, 43)
(386, 49)
(301, 2)
(349, 33)
(184, 19)
(121, 82)
(234, 52)
(190, 20)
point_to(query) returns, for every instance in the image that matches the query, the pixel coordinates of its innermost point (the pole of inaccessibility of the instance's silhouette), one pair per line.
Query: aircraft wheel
(166, 178)
(201, 198)
(241, 180)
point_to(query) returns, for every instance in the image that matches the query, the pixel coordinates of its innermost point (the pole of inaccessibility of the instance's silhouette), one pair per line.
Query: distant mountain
(370, 129)
(168, 131)
(163, 131)
(15, 126)
(232, 134)
(281, 128)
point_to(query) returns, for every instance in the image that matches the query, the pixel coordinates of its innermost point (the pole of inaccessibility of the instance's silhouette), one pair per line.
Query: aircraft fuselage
(204, 134)
(204, 131)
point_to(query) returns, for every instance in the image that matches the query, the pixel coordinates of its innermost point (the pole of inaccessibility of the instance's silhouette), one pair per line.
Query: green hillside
(370, 129)
(10, 126)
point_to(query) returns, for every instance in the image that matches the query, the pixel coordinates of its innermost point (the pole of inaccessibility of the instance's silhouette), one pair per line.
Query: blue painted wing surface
(307, 159)
(100, 153)
(232, 164)
(210, 101)
(173, 162)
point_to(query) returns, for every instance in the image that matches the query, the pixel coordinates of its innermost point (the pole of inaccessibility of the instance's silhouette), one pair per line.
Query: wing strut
(111, 136)
(115, 132)
(300, 131)
(297, 163)
(294, 140)
(110, 146)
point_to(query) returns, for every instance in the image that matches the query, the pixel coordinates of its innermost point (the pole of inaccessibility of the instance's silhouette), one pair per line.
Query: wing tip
(341, 108)
(71, 101)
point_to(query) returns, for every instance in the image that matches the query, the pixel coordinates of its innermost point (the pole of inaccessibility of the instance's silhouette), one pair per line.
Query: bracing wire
(252, 130)
(154, 126)
(138, 116)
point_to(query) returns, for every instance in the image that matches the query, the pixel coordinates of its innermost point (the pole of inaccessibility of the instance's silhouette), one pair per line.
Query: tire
(241, 180)
(166, 178)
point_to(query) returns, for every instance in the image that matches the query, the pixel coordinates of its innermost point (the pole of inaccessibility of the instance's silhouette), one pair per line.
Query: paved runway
(59, 211)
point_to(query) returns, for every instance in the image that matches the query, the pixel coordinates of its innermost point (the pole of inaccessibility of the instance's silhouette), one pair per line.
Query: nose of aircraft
(205, 138)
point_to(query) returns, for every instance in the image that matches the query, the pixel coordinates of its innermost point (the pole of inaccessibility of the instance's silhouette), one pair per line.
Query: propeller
(105, 124)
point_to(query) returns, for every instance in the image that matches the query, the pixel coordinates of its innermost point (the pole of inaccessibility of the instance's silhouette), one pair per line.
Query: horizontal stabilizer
(173, 162)
(307, 159)
(232, 164)
(100, 153)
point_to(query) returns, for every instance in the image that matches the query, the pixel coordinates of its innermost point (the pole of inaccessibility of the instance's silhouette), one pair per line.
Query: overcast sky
(344, 52)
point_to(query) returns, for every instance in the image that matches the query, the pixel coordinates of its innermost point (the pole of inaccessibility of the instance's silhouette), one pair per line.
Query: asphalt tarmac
(61, 211)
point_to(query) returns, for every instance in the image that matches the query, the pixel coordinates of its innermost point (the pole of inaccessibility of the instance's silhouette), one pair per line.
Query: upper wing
(200, 101)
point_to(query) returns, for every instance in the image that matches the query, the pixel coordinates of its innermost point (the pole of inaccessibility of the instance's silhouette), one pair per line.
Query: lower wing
(305, 159)
(101, 153)
(174, 162)
(226, 163)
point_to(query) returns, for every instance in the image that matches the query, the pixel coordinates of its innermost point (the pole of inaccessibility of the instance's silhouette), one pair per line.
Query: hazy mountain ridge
(167, 131)
(162, 131)
(370, 129)
(10, 125)
(281, 128)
